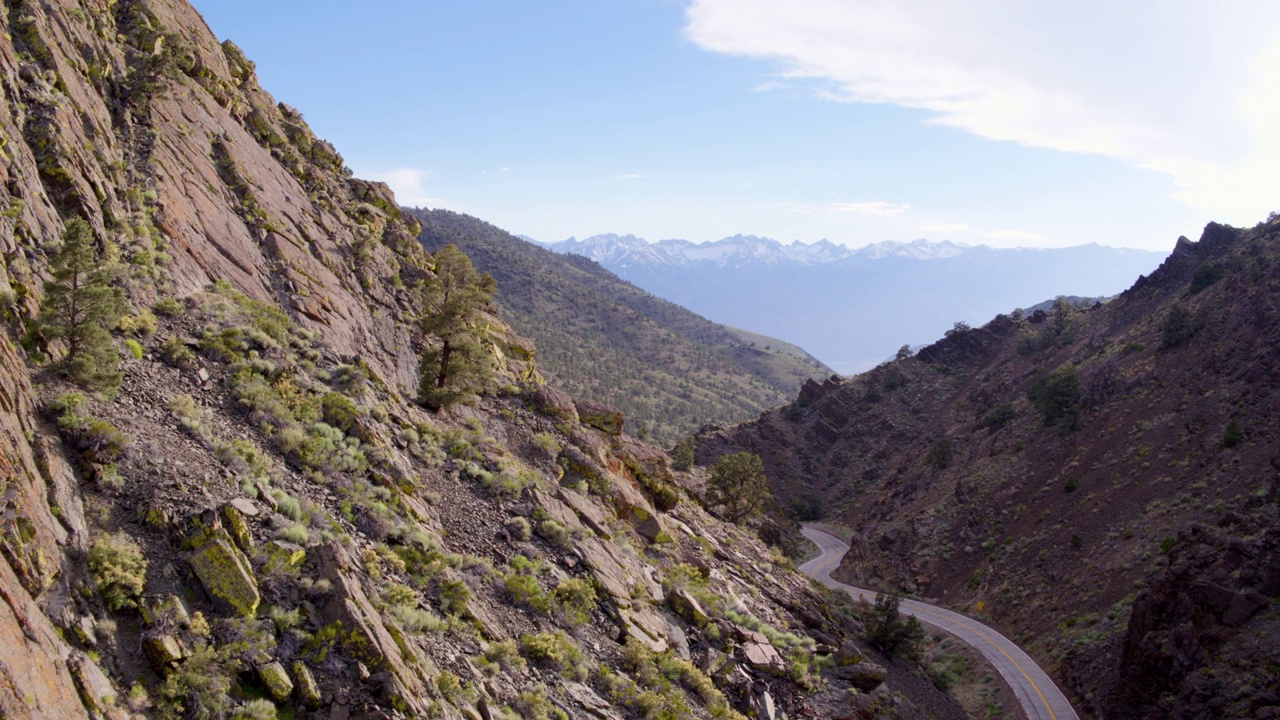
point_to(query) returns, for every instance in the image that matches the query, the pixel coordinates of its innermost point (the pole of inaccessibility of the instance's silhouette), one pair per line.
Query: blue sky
(991, 121)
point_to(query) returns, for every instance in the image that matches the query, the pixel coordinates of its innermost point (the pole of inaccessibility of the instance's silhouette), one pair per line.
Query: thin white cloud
(1013, 235)
(407, 184)
(945, 228)
(873, 207)
(1186, 89)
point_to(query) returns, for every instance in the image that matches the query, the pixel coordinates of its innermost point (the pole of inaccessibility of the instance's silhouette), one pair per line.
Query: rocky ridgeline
(1094, 480)
(261, 518)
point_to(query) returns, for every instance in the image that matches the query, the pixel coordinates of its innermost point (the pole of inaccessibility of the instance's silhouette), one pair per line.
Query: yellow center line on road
(971, 629)
(833, 559)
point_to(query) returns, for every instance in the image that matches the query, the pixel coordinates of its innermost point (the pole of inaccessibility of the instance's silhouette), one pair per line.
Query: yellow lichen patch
(226, 575)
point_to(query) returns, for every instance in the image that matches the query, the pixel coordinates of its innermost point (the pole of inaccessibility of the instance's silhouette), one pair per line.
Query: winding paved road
(1039, 696)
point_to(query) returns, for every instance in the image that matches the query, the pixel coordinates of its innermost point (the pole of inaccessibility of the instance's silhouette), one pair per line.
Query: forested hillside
(601, 338)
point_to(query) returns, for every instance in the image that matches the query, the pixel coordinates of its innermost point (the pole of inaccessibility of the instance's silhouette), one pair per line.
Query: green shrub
(576, 598)
(888, 632)
(289, 507)
(1205, 275)
(533, 705)
(940, 453)
(98, 441)
(259, 709)
(118, 570)
(557, 651)
(556, 534)
(454, 595)
(1177, 327)
(449, 686)
(295, 533)
(175, 352)
(415, 619)
(682, 456)
(134, 347)
(1233, 435)
(1057, 397)
(545, 442)
(190, 415)
(506, 654)
(998, 417)
(168, 307)
(144, 323)
(519, 529)
(339, 411)
(525, 590)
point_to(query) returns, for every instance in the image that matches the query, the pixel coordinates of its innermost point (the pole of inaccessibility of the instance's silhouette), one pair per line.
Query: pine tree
(738, 484)
(79, 306)
(455, 365)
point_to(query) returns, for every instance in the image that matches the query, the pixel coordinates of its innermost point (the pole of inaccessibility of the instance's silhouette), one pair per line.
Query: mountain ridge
(851, 308)
(669, 370)
(1075, 477)
(261, 520)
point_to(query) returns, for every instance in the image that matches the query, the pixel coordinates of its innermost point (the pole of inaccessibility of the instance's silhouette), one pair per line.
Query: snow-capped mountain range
(740, 250)
(852, 307)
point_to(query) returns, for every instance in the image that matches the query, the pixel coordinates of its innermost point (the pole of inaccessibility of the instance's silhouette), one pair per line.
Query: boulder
(226, 575)
(244, 506)
(96, 689)
(864, 675)
(304, 683)
(552, 401)
(763, 656)
(762, 707)
(601, 417)
(1243, 606)
(164, 652)
(649, 526)
(273, 675)
(282, 555)
(347, 603)
(587, 511)
(578, 465)
(169, 608)
(237, 527)
(687, 606)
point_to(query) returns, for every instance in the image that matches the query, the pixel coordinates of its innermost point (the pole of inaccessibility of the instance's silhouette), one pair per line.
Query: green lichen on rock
(305, 682)
(274, 676)
(164, 652)
(281, 555)
(226, 575)
(237, 527)
(600, 417)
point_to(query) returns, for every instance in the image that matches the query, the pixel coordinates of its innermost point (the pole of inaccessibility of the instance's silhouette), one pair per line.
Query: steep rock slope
(262, 518)
(1096, 481)
(600, 338)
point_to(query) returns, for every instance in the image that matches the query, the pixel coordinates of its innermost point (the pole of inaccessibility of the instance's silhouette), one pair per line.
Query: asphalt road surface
(1039, 696)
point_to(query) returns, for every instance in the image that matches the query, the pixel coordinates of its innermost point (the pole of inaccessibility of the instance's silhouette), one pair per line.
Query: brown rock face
(35, 679)
(1206, 609)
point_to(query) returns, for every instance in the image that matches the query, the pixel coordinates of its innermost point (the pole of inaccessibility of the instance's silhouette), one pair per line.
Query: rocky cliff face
(262, 519)
(1041, 470)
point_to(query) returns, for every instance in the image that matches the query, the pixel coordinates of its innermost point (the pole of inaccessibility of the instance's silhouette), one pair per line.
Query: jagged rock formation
(262, 514)
(1095, 480)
